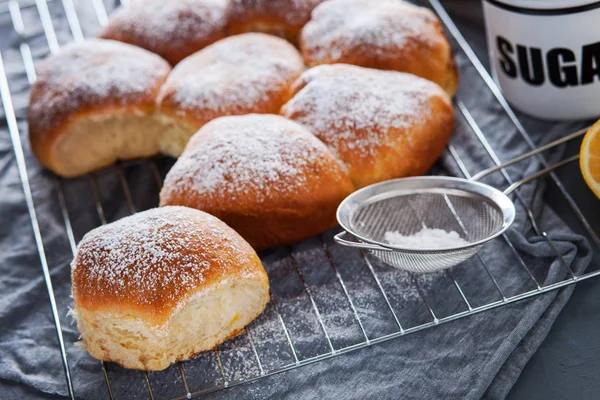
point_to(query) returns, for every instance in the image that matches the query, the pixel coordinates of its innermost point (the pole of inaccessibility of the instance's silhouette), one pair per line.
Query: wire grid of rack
(248, 347)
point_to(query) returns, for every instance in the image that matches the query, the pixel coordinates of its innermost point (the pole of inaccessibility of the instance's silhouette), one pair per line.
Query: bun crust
(381, 124)
(249, 73)
(93, 104)
(283, 18)
(174, 29)
(265, 176)
(144, 287)
(382, 34)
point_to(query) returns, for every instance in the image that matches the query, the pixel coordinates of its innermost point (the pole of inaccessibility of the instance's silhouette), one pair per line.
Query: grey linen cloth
(474, 357)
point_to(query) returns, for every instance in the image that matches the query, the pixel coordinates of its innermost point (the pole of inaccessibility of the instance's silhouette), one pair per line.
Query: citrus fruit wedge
(589, 160)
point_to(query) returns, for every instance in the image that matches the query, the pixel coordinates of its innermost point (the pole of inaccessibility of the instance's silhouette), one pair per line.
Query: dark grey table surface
(567, 364)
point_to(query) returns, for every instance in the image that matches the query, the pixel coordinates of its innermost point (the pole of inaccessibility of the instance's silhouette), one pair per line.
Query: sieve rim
(495, 196)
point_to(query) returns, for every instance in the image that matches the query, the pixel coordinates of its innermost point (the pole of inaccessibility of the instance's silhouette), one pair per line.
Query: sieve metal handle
(360, 245)
(532, 153)
(517, 184)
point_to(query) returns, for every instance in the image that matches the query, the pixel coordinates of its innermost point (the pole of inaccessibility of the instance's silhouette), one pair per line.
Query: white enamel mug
(545, 55)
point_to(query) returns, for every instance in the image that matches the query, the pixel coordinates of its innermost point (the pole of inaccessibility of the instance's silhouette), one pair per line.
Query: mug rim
(552, 8)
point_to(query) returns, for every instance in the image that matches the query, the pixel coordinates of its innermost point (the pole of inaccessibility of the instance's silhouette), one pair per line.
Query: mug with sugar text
(545, 55)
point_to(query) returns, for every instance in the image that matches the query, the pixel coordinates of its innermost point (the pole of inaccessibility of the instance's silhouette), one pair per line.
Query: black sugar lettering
(560, 64)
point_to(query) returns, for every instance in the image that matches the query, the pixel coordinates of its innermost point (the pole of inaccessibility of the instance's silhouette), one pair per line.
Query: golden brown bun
(381, 124)
(265, 176)
(283, 18)
(93, 104)
(162, 285)
(383, 34)
(174, 29)
(249, 73)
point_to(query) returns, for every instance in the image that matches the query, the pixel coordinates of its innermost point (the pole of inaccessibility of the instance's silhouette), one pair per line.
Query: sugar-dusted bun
(163, 285)
(383, 34)
(265, 176)
(282, 18)
(249, 73)
(381, 124)
(174, 29)
(93, 104)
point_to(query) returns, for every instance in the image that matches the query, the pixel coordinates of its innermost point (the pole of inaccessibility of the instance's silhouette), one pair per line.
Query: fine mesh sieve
(475, 211)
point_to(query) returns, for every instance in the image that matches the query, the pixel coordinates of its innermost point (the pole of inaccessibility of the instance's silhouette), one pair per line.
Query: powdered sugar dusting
(426, 238)
(353, 108)
(254, 155)
(169, 28)
(154, 257)
(400, 285)
(340, 27)
(239, 75)
(91, 74)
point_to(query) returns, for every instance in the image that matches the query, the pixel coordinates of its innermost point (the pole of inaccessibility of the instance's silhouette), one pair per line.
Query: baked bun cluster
(381, 124)
(265, 176)
(274, 149)
(93, 104)
(383, 34)
(248, 73)
(102, 101)
(163, 285)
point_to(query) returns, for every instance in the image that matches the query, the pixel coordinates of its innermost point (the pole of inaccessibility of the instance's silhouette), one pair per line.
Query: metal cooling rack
(334, 301)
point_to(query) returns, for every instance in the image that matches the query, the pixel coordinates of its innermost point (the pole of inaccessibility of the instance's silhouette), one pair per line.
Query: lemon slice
(589, 161)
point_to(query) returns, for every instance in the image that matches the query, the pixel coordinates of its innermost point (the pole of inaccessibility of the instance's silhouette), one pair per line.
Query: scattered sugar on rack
(426, 238)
